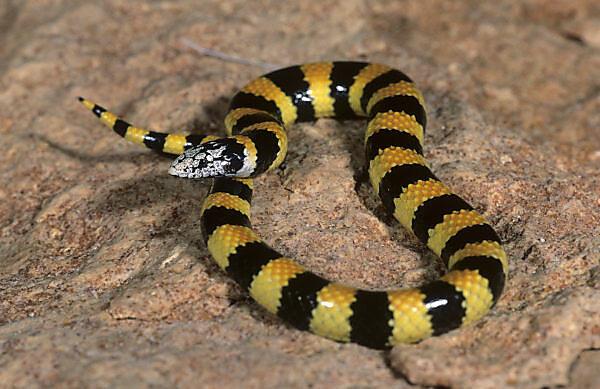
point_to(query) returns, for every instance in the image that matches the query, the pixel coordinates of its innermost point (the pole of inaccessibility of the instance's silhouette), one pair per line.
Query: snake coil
(257, 142)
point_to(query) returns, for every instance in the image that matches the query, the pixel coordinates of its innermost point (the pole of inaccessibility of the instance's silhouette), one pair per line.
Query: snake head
(224, 157)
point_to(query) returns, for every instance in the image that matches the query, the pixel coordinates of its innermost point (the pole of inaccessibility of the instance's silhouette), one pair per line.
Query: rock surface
(105, 281)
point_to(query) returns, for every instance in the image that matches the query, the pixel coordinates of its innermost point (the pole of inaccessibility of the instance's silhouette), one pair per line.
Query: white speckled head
(218, 158)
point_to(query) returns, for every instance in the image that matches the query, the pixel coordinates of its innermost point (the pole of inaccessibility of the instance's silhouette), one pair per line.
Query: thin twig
(226, 57)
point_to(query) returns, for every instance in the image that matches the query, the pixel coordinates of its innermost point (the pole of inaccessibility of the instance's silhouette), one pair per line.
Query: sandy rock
(105, 280)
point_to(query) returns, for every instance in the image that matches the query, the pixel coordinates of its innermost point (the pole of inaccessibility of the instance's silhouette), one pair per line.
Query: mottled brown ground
(105, 281)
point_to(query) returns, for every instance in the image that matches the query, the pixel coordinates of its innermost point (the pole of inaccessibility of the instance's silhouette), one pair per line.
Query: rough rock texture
(105, 281)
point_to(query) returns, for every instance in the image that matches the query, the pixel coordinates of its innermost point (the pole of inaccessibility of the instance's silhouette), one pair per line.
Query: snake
(257, 142)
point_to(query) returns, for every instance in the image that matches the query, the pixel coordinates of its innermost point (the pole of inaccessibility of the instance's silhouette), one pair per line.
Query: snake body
(257, 142)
